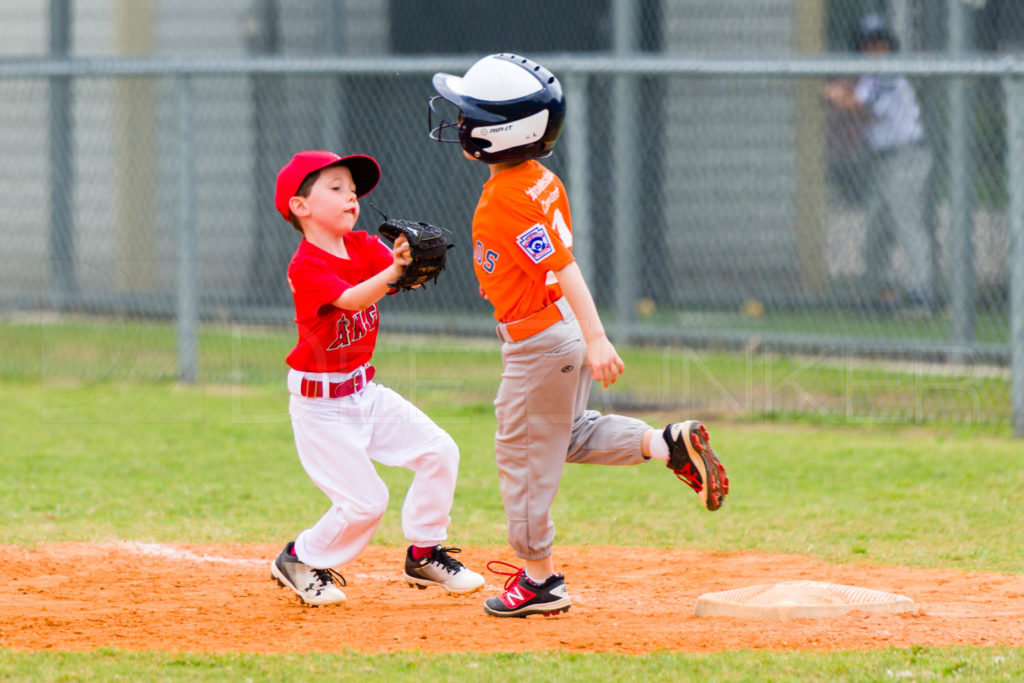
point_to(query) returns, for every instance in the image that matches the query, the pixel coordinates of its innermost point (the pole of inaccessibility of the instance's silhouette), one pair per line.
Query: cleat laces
(443, 557)
(513, 576)
(689, 475)
(328, 576)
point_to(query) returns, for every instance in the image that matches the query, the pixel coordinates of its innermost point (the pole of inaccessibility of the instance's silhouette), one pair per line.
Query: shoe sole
(283, 582)
(424, 584)
(548, 610)
(698, 447)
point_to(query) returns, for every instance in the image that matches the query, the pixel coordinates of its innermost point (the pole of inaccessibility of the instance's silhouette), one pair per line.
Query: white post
(188, 287)
(1014, 90)
(625, 157)
(578, 148)
(961, 188)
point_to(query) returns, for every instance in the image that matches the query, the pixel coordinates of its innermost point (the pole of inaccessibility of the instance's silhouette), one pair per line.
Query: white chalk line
(181, 555)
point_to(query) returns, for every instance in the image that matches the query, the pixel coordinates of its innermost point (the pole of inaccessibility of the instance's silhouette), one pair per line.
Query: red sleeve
(381, 255)
(314, 284)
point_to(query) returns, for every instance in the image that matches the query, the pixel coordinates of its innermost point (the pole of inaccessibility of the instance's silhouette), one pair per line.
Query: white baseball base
(795, 599)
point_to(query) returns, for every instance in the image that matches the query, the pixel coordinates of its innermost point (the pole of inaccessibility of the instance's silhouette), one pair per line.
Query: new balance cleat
(523, 597)
(441, 569)
(313, 586)
(694, 463)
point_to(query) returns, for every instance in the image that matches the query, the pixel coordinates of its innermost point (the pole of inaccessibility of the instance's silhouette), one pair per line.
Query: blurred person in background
(899, 163)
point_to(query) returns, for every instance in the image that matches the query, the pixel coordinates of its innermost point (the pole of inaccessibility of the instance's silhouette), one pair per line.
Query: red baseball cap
(365, 173)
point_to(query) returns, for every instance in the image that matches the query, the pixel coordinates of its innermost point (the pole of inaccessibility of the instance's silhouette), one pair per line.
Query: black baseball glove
(428, 249)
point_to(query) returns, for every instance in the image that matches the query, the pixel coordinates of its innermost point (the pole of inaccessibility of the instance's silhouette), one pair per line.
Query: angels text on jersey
(354, 325)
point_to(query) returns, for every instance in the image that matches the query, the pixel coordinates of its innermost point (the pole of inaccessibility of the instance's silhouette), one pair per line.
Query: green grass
(100, 443)
(914, 664)
(67, 356)
(165, 462)
(991, 327)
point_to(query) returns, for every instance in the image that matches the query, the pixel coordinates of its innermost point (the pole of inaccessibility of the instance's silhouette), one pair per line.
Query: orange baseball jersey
(522, 232)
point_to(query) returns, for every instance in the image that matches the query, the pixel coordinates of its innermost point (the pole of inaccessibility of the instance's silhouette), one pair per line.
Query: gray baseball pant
(898, 200)
(543, 423)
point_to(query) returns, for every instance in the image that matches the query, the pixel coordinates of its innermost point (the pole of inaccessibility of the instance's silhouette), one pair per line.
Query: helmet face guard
(445, 130)
(506, 108)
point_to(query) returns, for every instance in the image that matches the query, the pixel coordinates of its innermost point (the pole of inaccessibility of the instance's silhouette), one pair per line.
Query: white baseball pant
(339, 439)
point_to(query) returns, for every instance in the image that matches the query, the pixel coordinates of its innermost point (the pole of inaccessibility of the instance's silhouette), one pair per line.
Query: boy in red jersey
(510, 113)
(341, 419)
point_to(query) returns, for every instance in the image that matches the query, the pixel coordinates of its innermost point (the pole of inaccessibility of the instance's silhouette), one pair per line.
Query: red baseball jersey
(522, 232)
(333, 339)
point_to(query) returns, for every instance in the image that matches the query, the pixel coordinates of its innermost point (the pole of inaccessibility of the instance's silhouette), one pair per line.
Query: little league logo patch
(536, 243)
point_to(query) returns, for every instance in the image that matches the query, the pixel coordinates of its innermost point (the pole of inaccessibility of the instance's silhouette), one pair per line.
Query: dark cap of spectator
(873, 28)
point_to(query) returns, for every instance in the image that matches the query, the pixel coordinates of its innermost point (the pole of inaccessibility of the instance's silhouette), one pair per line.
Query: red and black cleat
(523, 597)
(694, 462)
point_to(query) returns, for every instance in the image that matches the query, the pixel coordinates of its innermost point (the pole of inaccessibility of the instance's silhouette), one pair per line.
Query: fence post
(1013, 87)
(810, 154)
(625, 157)
(578, 145)
(961, 187)
(63, 282)
(188, 288)
(135, 149)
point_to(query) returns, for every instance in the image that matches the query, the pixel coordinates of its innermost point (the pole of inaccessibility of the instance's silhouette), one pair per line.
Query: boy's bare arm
(605, 363)
(840, 94)
(370, 291)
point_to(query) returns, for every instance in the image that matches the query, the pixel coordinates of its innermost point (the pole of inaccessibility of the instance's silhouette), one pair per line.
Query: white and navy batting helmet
(509, 108)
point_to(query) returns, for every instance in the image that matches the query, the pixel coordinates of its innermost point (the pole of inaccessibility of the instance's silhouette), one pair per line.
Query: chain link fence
(721, 198)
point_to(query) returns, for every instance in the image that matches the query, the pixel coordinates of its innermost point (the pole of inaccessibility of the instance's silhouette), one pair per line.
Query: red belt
(314, 388)
(531, 324)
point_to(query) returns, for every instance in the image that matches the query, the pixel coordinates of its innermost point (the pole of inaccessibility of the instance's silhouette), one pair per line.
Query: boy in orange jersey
(510, 113)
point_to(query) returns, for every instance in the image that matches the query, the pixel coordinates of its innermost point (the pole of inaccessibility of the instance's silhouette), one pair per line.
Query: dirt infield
(203, 598)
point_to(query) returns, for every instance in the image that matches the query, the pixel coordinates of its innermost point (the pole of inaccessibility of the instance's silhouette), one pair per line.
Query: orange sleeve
(533, 244)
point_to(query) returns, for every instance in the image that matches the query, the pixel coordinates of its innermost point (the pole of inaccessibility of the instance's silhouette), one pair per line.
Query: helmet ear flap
(466, 140)
(522, 136)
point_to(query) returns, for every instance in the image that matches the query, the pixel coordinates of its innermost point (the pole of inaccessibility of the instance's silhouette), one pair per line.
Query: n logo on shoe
(516, 596)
